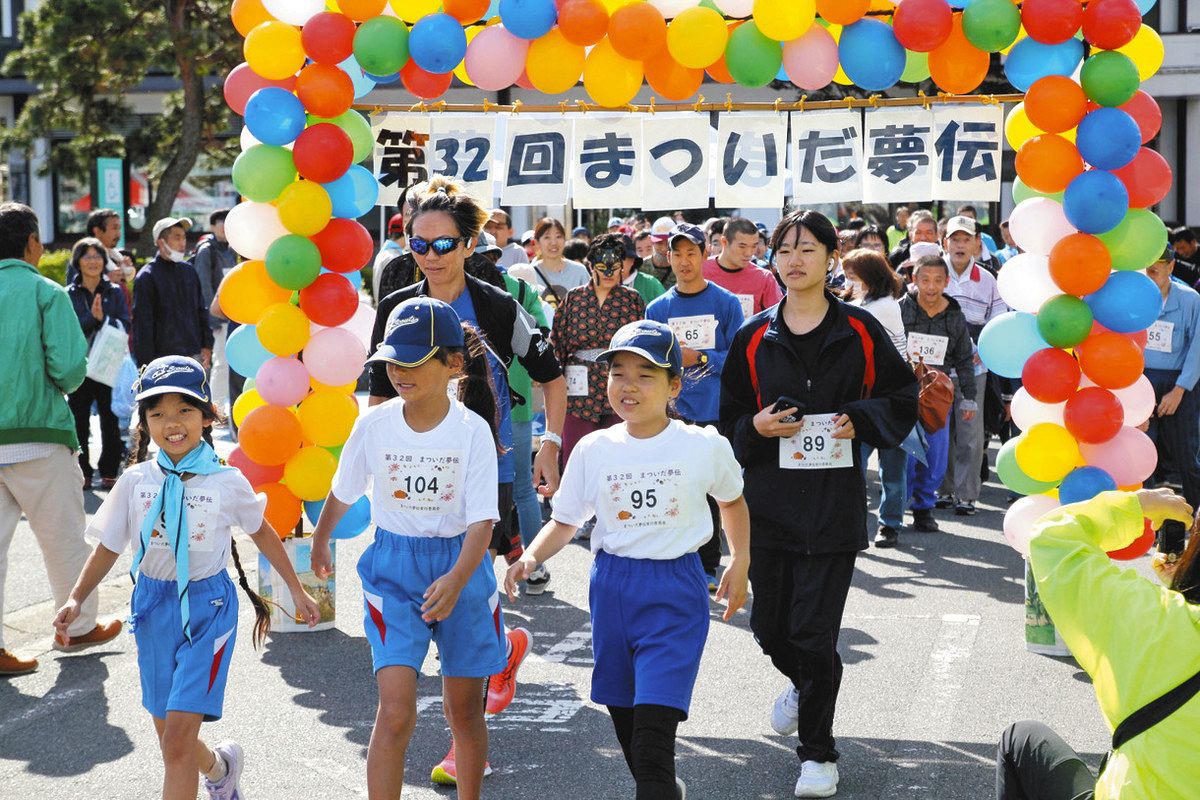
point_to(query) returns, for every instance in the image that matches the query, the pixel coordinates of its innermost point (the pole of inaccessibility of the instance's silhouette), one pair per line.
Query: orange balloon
(843, 12)
(1048, 163)
(283, 508)
(466, 10)
(326, 91)
(1110, 360)
(270, 435)
(363, 10)
(671, 79)
(956, 65)
(248, 15)
(1080, 264)
(1055, 104)
(583, 22)
(638, 31)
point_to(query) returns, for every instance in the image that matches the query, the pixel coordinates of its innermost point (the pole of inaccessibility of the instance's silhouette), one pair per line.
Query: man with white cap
(170, 317)
(499, 225)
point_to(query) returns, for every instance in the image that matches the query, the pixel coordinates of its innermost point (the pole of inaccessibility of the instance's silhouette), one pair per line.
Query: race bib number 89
(813, 446)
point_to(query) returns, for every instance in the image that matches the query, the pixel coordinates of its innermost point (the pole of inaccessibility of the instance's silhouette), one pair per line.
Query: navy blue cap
(689, 232)
(416, 329)
(578, 230)
(1168, 254)
(172, 374)
(651, 340)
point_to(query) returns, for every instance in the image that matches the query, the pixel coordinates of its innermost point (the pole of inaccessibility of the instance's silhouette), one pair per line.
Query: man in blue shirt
(1173, 367)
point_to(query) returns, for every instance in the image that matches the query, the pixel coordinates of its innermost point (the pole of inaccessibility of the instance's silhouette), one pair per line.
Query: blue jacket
(116, 313)
(1182, 310)
(169, 315)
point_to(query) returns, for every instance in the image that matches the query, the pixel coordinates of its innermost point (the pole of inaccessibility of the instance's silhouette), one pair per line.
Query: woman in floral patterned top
(584, 324)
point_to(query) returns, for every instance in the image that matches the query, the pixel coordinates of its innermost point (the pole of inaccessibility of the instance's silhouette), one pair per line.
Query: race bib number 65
(813, 446)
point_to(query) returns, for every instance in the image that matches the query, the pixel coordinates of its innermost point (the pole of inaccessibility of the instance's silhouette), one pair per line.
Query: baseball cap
(172, 374)
(960, 224)
(578, 230)
(526, 237)
(396, 224)
(615, 222)
(689, 232)
(651, 340)
(170, 222)
(486, 243)
(416, 329)
(662, 228)
(1168, 254)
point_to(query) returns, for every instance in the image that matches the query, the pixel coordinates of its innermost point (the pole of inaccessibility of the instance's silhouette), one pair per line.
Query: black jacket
(858, 373)
(401, 272)
(112, 302)
(951, 323)
(508, 328)
(169, 315)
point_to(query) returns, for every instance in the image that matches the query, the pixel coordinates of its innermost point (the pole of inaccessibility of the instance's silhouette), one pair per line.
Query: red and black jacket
(858, 373)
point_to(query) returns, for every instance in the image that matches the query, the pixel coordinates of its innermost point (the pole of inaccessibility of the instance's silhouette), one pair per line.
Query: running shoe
(785, 715)
(446, 773)
(503, 687)
(228, 788)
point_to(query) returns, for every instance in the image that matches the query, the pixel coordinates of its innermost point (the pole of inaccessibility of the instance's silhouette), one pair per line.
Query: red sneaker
(446, 773)
(503, 687)
(12, 664)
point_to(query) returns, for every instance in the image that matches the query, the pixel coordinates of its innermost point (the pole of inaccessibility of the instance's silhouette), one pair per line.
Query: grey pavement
(933, 644)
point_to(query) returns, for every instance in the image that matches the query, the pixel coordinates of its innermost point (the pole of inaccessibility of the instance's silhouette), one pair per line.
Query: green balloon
(1064, 321)
(991, 25)
(293, 261)
(356, 127)
(263, 171)
(1012, 476)
(381, 45)
(916, 67)
(1021, 192)
(752, 58)
(1138, 241)
(1109, 78)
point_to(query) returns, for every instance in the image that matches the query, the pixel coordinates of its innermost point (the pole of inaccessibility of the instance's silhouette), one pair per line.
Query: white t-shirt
(215, 504)
(435, 483)
(887, 311)
(648, 495)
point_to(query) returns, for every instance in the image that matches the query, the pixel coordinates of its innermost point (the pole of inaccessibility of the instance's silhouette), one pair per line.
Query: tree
(87, 56)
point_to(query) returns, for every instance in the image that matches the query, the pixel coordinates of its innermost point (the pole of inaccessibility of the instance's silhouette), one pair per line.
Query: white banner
(751, 153)
(536, 161)
(607, 167)
(676, 169)
(898, 156)
(461, 147)
(826, 156)
(967, 146)
(400, 141)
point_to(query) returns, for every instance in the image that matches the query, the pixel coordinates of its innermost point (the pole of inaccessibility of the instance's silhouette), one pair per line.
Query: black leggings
(1034, 763)
(647, 736)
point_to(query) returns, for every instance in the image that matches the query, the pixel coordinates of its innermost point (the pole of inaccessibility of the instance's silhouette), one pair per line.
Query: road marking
(567, 649)
(549, 707)
(49, 703)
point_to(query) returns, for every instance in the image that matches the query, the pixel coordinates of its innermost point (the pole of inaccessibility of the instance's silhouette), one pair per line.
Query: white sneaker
(785, 715)
(679, 784)
(817, 779)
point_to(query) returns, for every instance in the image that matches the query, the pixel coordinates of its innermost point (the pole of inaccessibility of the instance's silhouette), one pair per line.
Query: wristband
(552, 438)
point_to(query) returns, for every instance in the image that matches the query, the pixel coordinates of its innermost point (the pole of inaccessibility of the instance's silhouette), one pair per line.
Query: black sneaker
(944, 501)
(966, 509)
(887, 537)
(537, 581)
(924, 521)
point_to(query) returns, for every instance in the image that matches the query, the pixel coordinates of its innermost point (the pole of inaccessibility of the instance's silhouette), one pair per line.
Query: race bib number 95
(642, 497)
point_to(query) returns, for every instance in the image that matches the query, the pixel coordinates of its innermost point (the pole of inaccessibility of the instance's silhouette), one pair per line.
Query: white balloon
(294, 12)
(671, 8)
(1137, 400)
(1022, 516)
(253, 227)
(1025, 282)
(1038, 224)
(736, 8)
(1027, 412)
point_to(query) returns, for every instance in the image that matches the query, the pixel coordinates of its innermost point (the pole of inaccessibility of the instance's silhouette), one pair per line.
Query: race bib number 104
(423, 481)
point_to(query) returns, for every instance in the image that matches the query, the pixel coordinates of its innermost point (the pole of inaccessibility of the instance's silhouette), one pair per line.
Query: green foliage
(54, 265)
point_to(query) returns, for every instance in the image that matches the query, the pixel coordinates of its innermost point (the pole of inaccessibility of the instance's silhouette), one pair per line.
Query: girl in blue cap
(176, 514)
(647, 481)
(432, 460)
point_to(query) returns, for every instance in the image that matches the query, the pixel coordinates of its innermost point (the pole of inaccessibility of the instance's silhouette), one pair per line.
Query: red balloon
(1110, 360)
(425, 85)
(1051, 21)
(1147, 177)
(1138, 548)
(257, 474)
(325, 90)
(328, 38)
(1109, 24)
(1145, 112)
(330, 300)
(523, 80)
(243, 82)
(1094, 415)
(922, 25)
(323, 152)
(1051, 375)
(345, 245)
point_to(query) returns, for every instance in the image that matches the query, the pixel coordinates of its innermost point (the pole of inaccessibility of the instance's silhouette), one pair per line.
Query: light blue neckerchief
(169, 506)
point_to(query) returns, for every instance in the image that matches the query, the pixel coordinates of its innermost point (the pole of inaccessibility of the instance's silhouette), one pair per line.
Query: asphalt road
(933, 644)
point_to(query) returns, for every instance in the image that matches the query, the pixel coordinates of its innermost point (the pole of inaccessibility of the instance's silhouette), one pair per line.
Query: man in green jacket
(45, 358)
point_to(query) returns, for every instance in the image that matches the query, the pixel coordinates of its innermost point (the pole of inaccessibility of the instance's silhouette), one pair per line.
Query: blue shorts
(396, 570)
(178, 675)
(649, 625)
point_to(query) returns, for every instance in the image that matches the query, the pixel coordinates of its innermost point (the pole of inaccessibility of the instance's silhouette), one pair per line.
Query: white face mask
(176, 256)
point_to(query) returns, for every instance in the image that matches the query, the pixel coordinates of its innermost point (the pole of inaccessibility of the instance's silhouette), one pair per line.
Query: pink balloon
(812, 60)
(495, 58)
(1021, 517)
(282, 381)
(1137, 400)
(1038, 224)
(335, 356)
(1129, 456)
(243, 82)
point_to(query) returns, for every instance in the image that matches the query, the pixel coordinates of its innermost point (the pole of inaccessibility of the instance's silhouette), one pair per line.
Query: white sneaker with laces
(229, 787)
(785, 715)
(817, 779)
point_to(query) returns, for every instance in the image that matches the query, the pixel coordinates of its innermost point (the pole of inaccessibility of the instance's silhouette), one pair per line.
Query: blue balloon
(1108, 138)
(871, 55)
(1144, 6)
(1084, 483)
(275, 116)
(1030, 60)
(437, 43)
(354, 194)
(363, 84)
(245, 353)
(1128, 302)
(355, 277)
(525, 19)
(1008, 341)
(382, 80)
(356, 520)
(1095, 201)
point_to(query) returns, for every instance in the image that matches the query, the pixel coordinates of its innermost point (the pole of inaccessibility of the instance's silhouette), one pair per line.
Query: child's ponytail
(476, 389)
(262, 611)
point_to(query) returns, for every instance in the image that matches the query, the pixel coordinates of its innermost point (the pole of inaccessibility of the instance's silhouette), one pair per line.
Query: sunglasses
(441, 245)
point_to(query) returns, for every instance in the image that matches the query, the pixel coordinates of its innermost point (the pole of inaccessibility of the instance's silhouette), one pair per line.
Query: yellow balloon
(309, 473)
(1018, 129)
(1146, 51)
(283, 329)
(696, 38)
(784, 20)
(248, 291)
(273, 50)
(1047, 452)
(304, 208)
(317, 386)
(839, 77)
(247, 401)
(611, 79)
(613, 5)
(326, 417)
(460, 71)
(554, 64)
(412, 10)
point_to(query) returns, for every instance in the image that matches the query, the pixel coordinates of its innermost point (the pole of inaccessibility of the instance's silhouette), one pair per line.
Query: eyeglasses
(441, 245)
